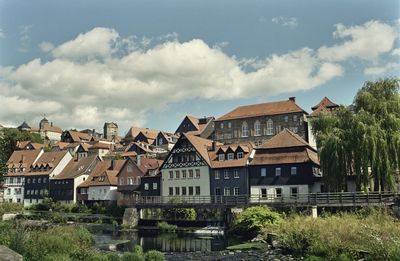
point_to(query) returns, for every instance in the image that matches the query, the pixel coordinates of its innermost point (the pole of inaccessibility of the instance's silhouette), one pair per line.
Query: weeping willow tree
(363, 142)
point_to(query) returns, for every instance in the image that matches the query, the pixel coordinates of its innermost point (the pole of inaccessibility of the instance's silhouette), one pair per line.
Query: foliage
(363, 142)
(341, 236)
(253, 219)
(8, 142)
(179, 213)
(154, 255)
(113, 257)
(132, 257)
(137, 249)
(7, 207)
(165, 227)
(108, 208)
(249, 246)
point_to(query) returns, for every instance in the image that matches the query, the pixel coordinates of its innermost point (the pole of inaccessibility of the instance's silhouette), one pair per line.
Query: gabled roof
(106, 170)
(52, 128)
(134, 131)
(76, 167)
(306, 155)
(100, 145)
(147, 164)
(201, 145)
(284, 139)
(79, 136)
(325, 102)
(263, 109)
(22, 158)
(23, 144)
(24, 125)
(51, 159)
(215, 163)
(60, 145)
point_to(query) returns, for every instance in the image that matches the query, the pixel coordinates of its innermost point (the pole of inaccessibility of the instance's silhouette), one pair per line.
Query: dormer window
(221, 157)
(240, 155)
(230, 156)
(101, 178)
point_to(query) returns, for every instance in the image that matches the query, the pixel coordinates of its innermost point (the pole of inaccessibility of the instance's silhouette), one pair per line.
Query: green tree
(8, 142)
(364, 142)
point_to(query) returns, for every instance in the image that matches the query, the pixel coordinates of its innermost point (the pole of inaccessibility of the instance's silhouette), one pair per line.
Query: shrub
(132, 257)
(7, 207)
(58, 218)
(113, 257)
(252, 220)
(137, 249)
(154, 255)
(165, 227)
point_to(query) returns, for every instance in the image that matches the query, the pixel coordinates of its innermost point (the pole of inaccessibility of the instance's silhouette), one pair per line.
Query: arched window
(245, 129)
(257, 128)
(270, 127)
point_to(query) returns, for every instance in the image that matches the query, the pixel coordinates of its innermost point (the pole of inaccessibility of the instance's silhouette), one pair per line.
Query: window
(129, 169)
(44, 180)
(226, 174)
(101, 178)
(197, 190)
(171, 175)
(155, 186)
(294, 192)
(183, 191)
(263, 192)
(270, 127)
(218, 191)
(229, 125)
(8, 191)
(130, 181)
(245, 129)
(293, 170)
(160, 141)
(39, 180)
(277, 172)
(236, 191)
(278, 129)
(184, 174)
(171, 191)
(197, 173)
(236, 173)
(177, 191)
(294, 118)
(278, 192)
(295, 129)
(286, 118)
(177, 174)
(121, 181)
(227, 191)
(257, 128)
(263, 172)
(221, 157)
(230, 156)
(240, 155)
(146, 186)
(190, 173)
(222, 125)
(190, 191)
(34, 180)
(217, 174)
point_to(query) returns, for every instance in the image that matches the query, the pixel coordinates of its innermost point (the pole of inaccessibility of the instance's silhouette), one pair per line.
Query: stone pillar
(131, 217)
(314, 212)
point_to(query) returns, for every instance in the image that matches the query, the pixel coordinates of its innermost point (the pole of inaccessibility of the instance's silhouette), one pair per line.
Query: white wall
(13, 187)
(61, 165)
(311, 138)
(203, 181)
(103, 193)
(77, 181)
(271, 191)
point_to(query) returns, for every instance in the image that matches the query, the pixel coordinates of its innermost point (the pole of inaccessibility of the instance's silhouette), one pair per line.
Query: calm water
(105, 235)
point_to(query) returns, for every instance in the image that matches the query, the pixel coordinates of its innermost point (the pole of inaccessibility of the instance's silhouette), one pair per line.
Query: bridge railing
(308, 199)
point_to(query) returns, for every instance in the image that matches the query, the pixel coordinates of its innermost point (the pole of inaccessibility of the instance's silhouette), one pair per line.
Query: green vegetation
(249, 246)
(343, 236)
(179, 213)
(252, 220)
(165, 227)
(7, 207)
(68, 243)
(364, 143)
(8, 143)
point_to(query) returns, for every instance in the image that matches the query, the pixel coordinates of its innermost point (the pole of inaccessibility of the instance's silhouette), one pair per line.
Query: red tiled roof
(75, 168)
(306, 155)
(215, 163)
(263, 109)
(51, 159)
(104, 169)
(201, 145)
(22, 158)
(325, 102)
(284, 139)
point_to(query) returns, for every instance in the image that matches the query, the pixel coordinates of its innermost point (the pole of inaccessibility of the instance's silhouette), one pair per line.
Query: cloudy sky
(149, 63)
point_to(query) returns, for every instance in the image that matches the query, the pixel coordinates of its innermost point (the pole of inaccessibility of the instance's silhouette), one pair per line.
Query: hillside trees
(363, 141)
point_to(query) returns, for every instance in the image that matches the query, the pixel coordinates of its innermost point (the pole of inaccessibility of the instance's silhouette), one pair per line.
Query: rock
(10, 216)
(7, 254)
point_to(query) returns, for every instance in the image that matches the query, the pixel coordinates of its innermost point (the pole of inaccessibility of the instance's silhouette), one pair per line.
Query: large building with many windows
(260, 122)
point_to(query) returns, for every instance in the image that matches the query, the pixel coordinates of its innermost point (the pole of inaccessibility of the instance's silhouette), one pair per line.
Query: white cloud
(46, 47)
(379, 70)
(290, 22)
(396, 51)
(100, 76)
(24, 38)
(366, 42)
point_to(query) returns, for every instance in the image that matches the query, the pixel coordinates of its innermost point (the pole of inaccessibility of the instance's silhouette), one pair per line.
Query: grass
(373, 233)
(249, 246)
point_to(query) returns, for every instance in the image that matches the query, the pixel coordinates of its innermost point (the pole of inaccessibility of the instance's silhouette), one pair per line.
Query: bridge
(342, 199)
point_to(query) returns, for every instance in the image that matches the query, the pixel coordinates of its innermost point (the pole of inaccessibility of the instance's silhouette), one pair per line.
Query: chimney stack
(293, 99)
(51, 124)
(112, 164)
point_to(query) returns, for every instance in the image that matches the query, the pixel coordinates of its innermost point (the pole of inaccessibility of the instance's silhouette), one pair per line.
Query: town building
(260, 122)
(284, 166)
(229, 174)
(72, 136)
(102, 183)
(49, 132)
(37, 183)
(165, 140)
(110, 130)
(93, 133)
(28, 145)
(63, 187)
(186, 170)
(18, 165)
(202, 127)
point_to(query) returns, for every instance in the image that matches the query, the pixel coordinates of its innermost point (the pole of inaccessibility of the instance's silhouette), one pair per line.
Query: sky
(149, 63)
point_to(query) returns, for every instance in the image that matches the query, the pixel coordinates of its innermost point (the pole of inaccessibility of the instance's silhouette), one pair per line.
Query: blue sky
(149, 63)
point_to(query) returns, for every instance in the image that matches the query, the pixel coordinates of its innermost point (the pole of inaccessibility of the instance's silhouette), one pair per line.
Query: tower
(110, 130)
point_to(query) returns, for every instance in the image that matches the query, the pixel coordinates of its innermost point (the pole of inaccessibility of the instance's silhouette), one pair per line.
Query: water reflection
(180, 242)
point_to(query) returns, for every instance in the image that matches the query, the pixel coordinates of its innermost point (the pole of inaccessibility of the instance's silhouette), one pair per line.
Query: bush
(137, 249)
(252, 220)
(113, 257)
(132, 257)
(154, 255)
(165, 227)
(7, 207)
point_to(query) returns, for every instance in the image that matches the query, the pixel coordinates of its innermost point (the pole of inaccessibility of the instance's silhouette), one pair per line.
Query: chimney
(94, 132)
(212, 146)
(112, 164)
(293, 99)
(51, 124)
